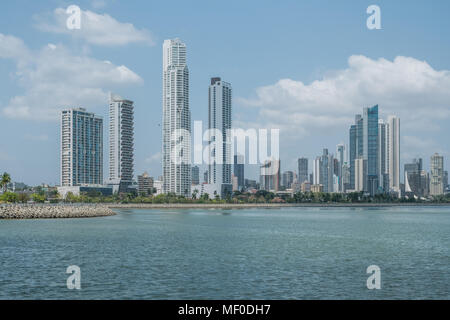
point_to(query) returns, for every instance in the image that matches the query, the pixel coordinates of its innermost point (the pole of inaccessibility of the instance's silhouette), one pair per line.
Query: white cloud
(13, 48)
(316, 115)
(54, 78)
(154, 158)
(96, 29)
(407, 87)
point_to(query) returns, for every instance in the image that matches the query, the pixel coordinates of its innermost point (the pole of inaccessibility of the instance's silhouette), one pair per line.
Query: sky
(304, 67)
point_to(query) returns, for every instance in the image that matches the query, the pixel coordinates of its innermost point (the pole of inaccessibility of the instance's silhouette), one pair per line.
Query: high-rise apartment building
(239, 170)
(176, 147)
(383, 174)
(360, 174)
(287, 179)
(393, 152)
(323, 171)
(356, 147)
(370, 148)
(352, 155)
(81, 148)
(445, 179)
(219, 124)
(195, 175)
(270, 175)
(340, 160)
(437, 175)
(121, 143)
(416, 179)
(145, 184)
(303, 170)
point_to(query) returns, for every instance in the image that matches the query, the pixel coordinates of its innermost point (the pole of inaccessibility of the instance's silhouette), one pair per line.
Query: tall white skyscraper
(393, 152)
(176, 148)
(81, 148)
(121, 142)
(316, 171)
(437, 175)
(219, 120)
(383, 176)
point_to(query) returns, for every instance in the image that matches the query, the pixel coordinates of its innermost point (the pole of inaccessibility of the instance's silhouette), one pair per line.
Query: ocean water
(287, 253)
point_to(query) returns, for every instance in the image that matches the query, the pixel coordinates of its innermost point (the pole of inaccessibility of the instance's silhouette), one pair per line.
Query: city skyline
(422, 132)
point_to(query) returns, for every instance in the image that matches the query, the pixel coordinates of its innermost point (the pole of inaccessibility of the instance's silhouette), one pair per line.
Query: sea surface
(286, 253)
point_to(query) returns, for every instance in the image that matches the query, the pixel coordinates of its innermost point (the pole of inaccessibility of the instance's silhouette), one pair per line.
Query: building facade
(121, 143)
(176, 147)
(287, 179)
(383, 174)
(195, 175)
(393, 152)
(303, 170)
(81, 148)
(270, 175)
(145, 184)
(370, 148)
(437, 175)
(239, 170)
(219, 124)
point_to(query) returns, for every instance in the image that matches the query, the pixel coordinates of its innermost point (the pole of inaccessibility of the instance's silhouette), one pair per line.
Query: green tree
(5, 179)
(10, 197)
(38, 198)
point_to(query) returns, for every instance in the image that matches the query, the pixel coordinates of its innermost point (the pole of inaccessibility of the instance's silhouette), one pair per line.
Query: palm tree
(6, 178)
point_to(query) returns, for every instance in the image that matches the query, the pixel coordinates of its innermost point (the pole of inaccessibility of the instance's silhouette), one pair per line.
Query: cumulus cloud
(53, 78)
(310, 115)
(154, 158)
(96, 29)
(407, 87)
(13, 48)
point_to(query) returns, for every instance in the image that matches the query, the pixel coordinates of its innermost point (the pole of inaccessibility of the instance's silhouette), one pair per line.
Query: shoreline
(83, 210)
(268, 205)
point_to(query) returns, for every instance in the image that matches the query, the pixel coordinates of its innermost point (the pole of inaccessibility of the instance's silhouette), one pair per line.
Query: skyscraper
(81, 148)
(360, 174)
(383, 176)
(445, 179)
(370, 148)
(393, 152)
(416, 179)
(121, 143)
(176, 147)
(239, 170)
(287, 179)
(195, 175)
(341, 158)
(316, 171)
(270, 175)
(353, 155)
(219, 124)
(303, 170)
(205, 176)
(356, 148)
(326, 171)
(437, 175)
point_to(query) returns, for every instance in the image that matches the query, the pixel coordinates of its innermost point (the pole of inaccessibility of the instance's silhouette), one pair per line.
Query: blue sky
(305, 67)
